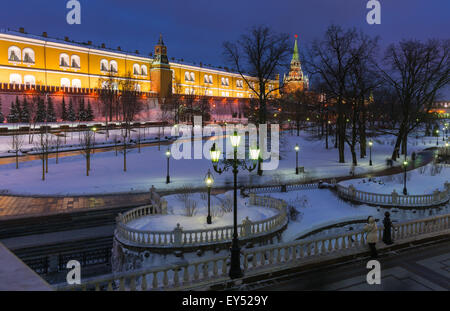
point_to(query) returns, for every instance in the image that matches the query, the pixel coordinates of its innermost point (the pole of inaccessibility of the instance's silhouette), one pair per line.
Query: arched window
(210, 79)
(206, 79)
(136, 70)
(227, 82)
(64, 60)
(65, 82)
(28, 56)
(14, 54)
(104, 65)
(29, 80)
(192, 76)
(187, 77)
(239, 83)
(15, 78)
(76, 83)
(113, 66)
(137, 87)
(75, 61)
(143, 70)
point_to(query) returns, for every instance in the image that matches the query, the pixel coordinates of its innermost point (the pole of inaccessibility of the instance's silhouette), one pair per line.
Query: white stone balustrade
(394, 199)
(255, 260)
(179, 237)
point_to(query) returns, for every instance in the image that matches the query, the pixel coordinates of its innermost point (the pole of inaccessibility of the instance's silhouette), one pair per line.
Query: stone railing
(185, 238)
(260, 260)
(394, 199)
(281, 188)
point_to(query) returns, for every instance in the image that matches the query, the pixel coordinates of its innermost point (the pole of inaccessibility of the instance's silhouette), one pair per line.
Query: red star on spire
(296, 36)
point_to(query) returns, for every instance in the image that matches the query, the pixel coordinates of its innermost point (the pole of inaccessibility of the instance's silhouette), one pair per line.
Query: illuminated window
(64, 60)
(76, 83)
(143, 70)
(75, 61)
(137, 87)
(104, 65)
(113, 66)
(15, 78)
(187, 77)
(28, 56)
(136, 70)
(192, 76)
(29, 80)
(239, 83)
(206, 80)
(210, 79)
(225, 82)
(65, 82)
(14, 54)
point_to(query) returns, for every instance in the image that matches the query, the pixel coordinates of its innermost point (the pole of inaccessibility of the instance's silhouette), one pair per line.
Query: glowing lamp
(215, 153)
(297, 147)
(370, 143)
(209, 180)
(168, 153)
(254, 153)
(235, 139)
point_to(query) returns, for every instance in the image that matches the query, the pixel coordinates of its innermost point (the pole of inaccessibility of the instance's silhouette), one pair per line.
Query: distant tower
(160, 73)
(295, 80)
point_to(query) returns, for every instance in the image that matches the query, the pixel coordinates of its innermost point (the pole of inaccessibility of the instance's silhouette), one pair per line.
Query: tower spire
(295, 56)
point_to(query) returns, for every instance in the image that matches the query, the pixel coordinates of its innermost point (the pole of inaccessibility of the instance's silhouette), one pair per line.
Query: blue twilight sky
(195, 29)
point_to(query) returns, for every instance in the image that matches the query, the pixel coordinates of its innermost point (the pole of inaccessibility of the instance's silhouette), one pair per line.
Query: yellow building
(28, 60)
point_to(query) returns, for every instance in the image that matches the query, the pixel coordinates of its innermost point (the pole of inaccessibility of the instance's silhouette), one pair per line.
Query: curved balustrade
(214, 269)
(394, 199)
(179, 237)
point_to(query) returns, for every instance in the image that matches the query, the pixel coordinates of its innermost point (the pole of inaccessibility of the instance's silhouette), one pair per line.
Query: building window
(143, 70)
(76, 83)
(210, 92)
(189, 76)
(225, 94)
(136, 70)
(28, 56)
(205, 78)
(137, 87)
(15, 78)
(75, 61)
(113, 66)
(104, 65)
(29, 80)
(64, 60)
(270, 87)
(208, 79)
(14, 54)
(239, 83)
(65, 82)
(225, 82)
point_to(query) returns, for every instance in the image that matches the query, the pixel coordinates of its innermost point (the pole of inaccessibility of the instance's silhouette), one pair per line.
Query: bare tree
(260, 53)
(41, 147)
(416, 71)
(87, 145)
(16, 144)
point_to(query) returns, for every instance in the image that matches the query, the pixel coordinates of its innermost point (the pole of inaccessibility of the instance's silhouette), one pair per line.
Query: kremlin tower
(295, 80)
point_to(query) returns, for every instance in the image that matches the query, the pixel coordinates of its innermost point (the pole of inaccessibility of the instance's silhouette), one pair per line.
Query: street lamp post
(94, 129)
(437, 137)
(209, 180)
(235, 266)
(297, 148)
(370, 152)
(405, 165)
(168, 159)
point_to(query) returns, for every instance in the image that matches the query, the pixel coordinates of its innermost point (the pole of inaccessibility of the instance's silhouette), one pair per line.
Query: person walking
(372, 236)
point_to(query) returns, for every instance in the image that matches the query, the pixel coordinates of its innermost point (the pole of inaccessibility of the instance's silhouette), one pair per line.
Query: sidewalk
(20, 206)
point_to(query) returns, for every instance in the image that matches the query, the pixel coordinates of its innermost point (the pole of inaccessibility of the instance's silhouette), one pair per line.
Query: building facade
(31, 60)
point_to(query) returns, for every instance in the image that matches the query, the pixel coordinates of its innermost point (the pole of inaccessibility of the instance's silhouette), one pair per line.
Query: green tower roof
(295, 56)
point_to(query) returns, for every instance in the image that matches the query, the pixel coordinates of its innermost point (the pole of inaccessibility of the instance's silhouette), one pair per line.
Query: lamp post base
(370, 162)
(208, 219)
(235, 265)
(405, 192)
(167, 179)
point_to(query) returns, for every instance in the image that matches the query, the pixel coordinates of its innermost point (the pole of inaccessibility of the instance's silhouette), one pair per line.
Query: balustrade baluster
(133, 283)
(155, 280)
(165, 279)
(144, 282)
(176, 281)
(186, 275)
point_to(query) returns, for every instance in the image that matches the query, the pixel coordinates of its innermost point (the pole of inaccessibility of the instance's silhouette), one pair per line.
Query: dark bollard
(387, 238)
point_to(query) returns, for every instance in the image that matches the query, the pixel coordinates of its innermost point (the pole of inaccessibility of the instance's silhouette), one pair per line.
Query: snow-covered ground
(320, 208)
(177, 213)
(423, 180)
(149, 168)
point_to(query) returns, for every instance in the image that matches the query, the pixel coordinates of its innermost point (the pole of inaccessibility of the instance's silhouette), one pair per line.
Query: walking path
(25, 206)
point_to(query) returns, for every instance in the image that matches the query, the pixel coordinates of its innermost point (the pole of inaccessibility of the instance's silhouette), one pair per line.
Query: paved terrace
(24, 206)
